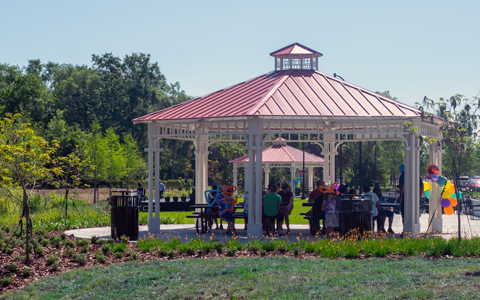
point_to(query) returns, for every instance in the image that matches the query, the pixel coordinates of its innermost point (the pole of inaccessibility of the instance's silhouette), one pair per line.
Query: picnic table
(203, 217)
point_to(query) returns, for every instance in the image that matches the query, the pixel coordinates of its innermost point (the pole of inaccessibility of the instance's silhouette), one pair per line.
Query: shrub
(218, 246)
(118, 255)
(171, 253)
(105, 249)
(189, 250)
(263, 252)
(69, 243)
(101, 242)
(44, 242)
(230, 251)
(52, 259)
(56, 242)
(84, 249)
(12, 267)
(253, 246)
(119, 247)
(27, 272)
(55, 266)
(9, 251)
(39, 250)
(68, 251)
(20, 258)
(6, 281)
(82, 242)
(162, 252)
(133, 255)
(100, 257)
(282, 248)
(40, 232)
(296, 250)
(63, 235)
(94, 239)
(80, 258)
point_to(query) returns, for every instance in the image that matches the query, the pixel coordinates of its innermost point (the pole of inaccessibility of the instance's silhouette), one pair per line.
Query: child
(211, 196)
(225, 211)
(330, 209)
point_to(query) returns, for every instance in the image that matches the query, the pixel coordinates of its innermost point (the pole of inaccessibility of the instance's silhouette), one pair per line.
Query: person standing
(375, 204)
(287, 204)
(331, 213)
(384, 213)
(161, 187)
(271, 208)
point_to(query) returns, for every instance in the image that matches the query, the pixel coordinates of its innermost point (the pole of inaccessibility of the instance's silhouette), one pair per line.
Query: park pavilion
(299, 104)
(280, 155)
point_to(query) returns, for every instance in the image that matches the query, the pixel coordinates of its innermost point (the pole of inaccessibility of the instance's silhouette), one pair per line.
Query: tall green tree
(96, 151)
(135, 166)
(115, 162)
(24, 157)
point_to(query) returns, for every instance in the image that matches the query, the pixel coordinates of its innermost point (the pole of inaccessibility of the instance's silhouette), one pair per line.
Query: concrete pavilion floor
(187, 231)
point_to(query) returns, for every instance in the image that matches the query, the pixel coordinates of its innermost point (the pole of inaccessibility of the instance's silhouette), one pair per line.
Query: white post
(245, 176)
(411, 187)
(255, 180)
(157, 184)
(153, 223)
(292, 178)
(258, 184)
(435, 209)
(251, 189)
(310, 179)
(235, 175)
(267, 177)
(201, 168)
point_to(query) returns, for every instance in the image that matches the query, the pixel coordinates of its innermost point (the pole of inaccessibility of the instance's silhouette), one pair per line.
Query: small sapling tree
(23, 160)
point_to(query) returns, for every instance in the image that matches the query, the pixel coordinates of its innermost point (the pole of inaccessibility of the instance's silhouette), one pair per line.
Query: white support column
(153, 223)
(292, 178)
(310, 184)
(329, 152)
(267, 176)
(157, 184)
(245, 177)
(255, 181)
(201, 168)
(412, 174)
(235, 175)
(251, 231)
(258, 178)
(435, 209)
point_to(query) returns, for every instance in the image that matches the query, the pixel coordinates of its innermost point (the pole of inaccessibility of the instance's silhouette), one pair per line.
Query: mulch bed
(40, 268)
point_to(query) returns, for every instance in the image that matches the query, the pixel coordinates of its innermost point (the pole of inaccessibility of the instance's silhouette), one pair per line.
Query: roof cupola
(296, 56)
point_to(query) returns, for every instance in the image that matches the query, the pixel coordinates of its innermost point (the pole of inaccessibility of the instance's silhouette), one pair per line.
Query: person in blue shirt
(161, 187)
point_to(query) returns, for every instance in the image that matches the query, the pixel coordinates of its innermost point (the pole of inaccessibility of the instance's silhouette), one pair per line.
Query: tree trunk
(95, 186)
(66, 203)
(459, 206)
(27, 221)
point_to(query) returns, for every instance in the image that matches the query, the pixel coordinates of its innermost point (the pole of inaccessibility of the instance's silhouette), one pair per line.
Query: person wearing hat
(287, 204)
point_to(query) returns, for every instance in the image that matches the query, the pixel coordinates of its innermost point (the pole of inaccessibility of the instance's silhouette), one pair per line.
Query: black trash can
(356, 214)
(125, 206)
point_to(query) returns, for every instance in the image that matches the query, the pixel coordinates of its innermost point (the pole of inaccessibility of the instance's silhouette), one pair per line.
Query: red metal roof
(296, 48)
(287, 93)
(282, 154)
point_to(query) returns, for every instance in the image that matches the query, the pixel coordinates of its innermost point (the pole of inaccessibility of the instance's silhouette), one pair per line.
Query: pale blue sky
(412, 48)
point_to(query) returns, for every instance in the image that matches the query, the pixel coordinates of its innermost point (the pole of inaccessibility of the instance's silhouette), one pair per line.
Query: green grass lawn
(181, 216)
(265, 278)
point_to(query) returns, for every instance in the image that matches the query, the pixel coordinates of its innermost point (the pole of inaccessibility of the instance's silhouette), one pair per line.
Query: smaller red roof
(296, 48)
(283, 154)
